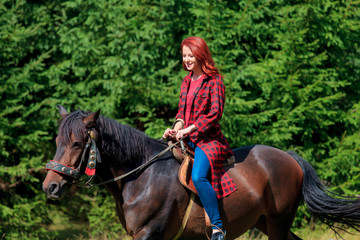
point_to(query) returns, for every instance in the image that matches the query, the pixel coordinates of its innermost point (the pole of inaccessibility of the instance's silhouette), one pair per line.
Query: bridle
(75, 173)
(94, 156)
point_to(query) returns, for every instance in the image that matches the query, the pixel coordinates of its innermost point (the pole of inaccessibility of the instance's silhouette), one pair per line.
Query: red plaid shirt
(207, 109)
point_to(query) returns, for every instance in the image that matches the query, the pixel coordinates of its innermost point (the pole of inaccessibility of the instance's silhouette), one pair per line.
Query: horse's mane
(125, 144)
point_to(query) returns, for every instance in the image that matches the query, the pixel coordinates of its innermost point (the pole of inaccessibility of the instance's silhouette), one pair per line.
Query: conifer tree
(291, 70)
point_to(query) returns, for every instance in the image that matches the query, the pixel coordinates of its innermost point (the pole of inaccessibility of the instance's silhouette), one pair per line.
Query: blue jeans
(200, 173)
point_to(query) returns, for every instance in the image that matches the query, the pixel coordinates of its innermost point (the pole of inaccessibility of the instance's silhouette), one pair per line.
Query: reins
(138, 168)
(94, 156)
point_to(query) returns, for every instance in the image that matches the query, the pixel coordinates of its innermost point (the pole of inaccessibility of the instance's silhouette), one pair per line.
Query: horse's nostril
(53, 188)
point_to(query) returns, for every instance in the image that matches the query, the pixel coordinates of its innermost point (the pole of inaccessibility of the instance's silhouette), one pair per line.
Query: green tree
(291, 73)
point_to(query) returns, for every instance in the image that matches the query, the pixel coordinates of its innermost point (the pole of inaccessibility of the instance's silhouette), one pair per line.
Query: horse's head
(76, 151)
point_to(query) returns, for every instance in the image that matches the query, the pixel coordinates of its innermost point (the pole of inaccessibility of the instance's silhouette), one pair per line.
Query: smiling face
(190, 61)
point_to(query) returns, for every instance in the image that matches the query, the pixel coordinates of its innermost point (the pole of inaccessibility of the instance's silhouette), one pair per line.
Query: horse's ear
(90, 120)
(62, 111)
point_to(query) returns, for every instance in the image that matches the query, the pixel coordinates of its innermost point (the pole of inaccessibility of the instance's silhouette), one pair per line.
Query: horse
(150, 201)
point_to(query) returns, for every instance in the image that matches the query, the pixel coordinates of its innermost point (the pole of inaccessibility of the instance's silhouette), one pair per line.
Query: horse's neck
(126, 148)
(137, 189)
(112, 169)
(124, 145)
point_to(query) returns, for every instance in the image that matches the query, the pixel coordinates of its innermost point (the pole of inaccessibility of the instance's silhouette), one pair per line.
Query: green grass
(67, 230)
(320, 234)
(314, 232)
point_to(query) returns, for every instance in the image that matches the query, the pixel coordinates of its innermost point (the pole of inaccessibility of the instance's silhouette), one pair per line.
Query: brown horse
(151, 202)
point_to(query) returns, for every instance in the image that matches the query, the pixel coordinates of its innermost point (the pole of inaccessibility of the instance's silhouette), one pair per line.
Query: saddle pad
(180, 156)
(186, 169)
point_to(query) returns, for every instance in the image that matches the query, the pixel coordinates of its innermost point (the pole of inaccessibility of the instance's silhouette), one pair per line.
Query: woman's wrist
(192, 128)
(179, 124)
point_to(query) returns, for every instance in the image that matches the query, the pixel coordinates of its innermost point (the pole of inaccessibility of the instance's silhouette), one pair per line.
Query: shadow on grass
(70, 231)
(64, 229)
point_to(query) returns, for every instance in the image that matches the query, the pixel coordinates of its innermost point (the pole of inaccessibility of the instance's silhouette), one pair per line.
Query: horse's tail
(327, 208)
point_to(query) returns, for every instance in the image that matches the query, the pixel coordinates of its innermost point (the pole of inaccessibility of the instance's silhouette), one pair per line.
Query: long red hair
(201, 51)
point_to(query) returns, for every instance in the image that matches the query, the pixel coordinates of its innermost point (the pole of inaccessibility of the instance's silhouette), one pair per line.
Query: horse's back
(261, 162)
(259, 167)
(268, 181)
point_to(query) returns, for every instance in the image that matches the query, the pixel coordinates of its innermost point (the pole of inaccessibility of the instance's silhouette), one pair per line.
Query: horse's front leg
(153, 204)
(148, 233)
(147, 220)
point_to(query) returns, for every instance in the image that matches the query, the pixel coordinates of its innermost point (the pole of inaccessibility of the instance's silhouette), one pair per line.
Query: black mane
(126, 144)
(122, 143)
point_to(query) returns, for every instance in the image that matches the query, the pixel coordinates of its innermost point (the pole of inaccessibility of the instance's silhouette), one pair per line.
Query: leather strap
(222, 232)
(155, 158)
(61, 168)
(186, 217)
(207, 219)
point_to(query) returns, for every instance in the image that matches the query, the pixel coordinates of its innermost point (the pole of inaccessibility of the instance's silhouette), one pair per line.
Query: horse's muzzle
(55, 190)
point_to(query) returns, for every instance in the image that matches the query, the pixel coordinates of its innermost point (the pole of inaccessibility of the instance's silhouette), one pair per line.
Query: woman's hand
(169, 133)
(184, 132)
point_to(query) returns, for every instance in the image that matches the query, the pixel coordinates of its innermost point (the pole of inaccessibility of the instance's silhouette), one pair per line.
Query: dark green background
(291, 72)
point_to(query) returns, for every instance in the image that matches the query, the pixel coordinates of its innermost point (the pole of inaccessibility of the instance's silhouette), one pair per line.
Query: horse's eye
(75, 145)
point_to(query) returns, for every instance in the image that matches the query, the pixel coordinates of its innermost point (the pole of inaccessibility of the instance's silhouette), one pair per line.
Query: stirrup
(218, 235)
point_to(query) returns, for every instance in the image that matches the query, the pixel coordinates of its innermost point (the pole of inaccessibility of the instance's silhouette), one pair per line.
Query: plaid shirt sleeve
(217, 94)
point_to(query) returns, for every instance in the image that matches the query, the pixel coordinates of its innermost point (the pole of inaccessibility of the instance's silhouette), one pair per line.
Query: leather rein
(144, 165)
(94, 156)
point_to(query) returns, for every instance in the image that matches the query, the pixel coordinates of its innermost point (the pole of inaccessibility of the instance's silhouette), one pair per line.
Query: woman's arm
(217, 99)
(186, 131)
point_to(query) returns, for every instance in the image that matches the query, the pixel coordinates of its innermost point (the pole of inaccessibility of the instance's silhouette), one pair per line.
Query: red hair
(201, 51)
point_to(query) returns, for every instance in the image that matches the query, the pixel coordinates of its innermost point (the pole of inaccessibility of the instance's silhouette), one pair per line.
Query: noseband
(94, 156)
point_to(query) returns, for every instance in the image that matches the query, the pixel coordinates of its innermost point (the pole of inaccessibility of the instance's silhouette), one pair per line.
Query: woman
(201, 105)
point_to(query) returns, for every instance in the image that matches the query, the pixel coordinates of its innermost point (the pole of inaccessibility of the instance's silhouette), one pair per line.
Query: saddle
(185, 157)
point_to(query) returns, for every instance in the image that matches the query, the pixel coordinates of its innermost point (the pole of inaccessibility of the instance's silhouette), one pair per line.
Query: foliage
(291, 72)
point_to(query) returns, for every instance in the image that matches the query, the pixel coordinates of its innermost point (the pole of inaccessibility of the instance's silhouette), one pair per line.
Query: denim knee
(197, 178)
